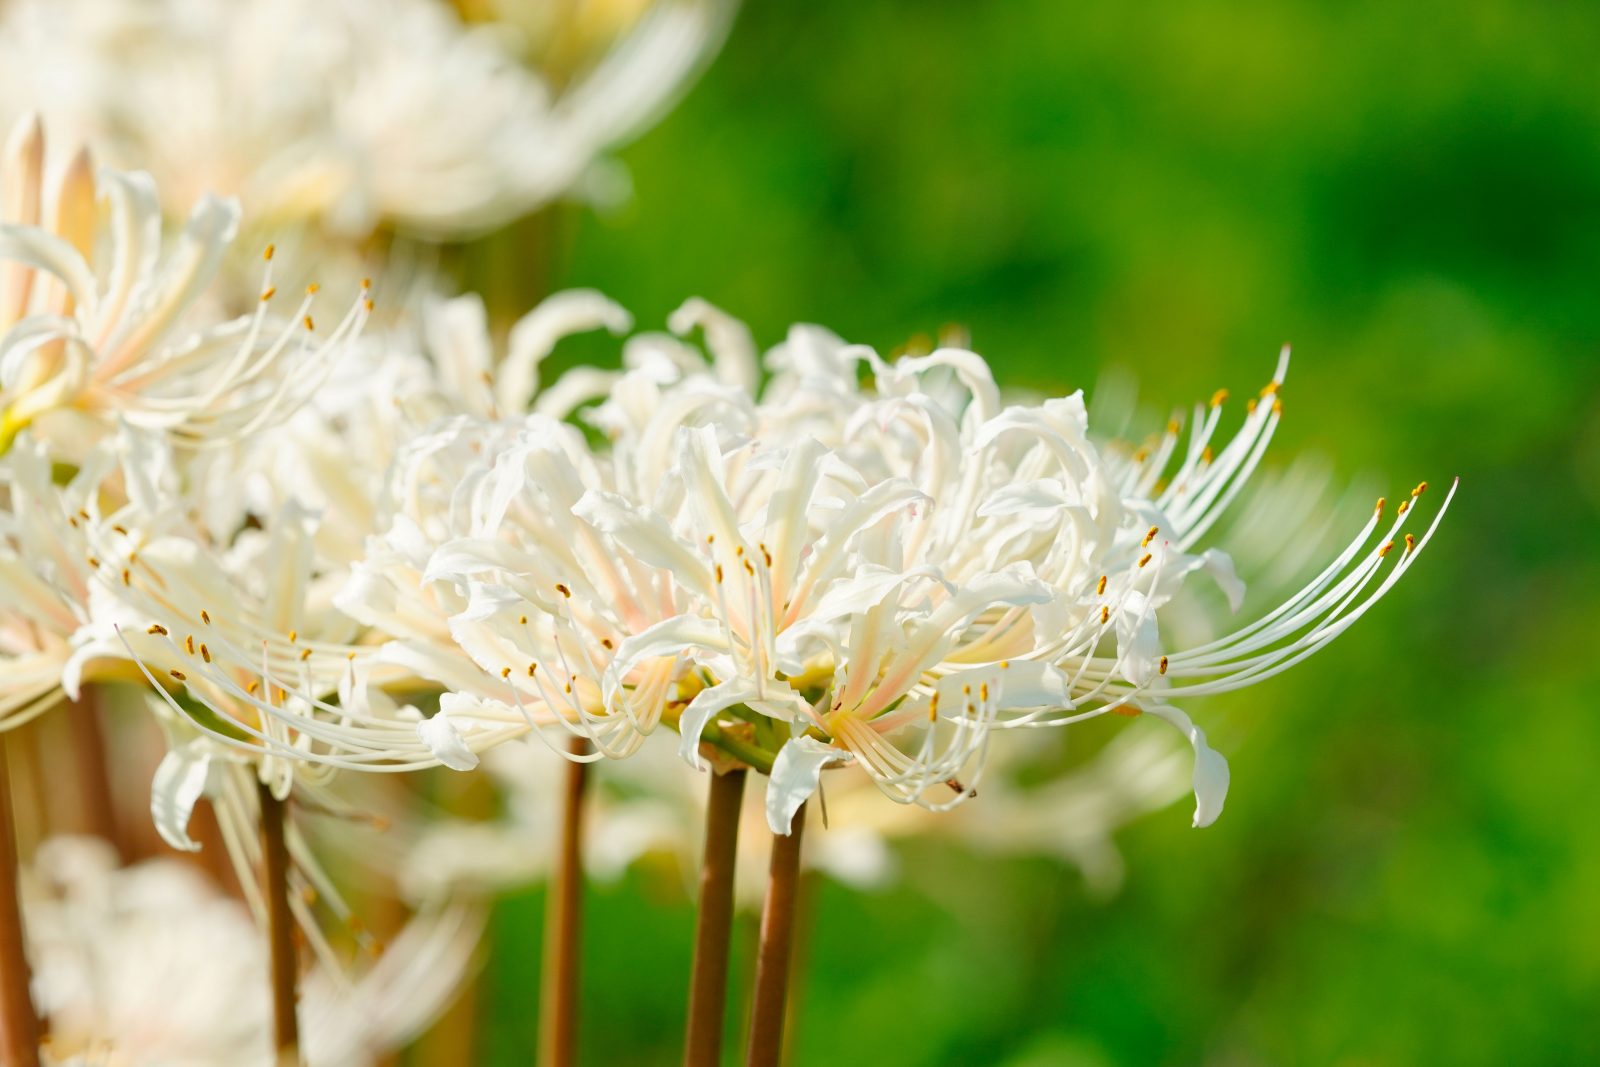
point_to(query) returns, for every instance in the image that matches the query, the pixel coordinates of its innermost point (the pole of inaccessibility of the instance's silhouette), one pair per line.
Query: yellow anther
(205, 616)
(313, 289)
(1379, 509)
(563, 590)
(267, 255)
(188, 644)
(1405, 506)
(366, 283)
(120, 529)
(205, 653)
(505, 672)
(1206, 455)
(1100, 590)
(310, 324)
(1127, 711)
(305, 654)
(522, 620)
(1422, 487)
(1173, 427)
(179, 675)
(1151, 536)
(1218, 397)
(1411, 542)
(1388, 547)
(1105, 616)
(1163, 667)
(157, 628)
(293, 636)
(1144, 559)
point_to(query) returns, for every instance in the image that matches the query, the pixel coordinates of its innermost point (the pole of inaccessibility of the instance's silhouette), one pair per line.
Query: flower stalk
(708, 976)
(771, 997)
(92, 769)
(19, 1022)
(284, 966)
(558, 999)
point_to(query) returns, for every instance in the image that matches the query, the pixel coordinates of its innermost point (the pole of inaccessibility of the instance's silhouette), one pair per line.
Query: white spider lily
(150, 964)
(825, 573)
(96, 324)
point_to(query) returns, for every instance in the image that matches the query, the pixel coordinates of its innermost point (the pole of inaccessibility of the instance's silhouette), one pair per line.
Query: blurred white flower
(150, 965)
(341, 116)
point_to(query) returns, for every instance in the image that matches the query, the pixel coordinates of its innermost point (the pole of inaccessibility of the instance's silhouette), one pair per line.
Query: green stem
(758, 758)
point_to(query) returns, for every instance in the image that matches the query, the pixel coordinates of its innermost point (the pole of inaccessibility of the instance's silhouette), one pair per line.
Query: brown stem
(563, 925)
(453, 1037)
(93, 770)
(777, 944)
(19, 1023)
(280, 927)
(805, 922)
(708, 980)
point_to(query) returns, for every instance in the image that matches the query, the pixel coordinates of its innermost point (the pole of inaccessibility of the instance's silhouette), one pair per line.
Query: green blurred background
(1408, 871)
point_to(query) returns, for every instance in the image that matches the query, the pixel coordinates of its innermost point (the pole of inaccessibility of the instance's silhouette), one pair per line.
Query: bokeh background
(1408, 871)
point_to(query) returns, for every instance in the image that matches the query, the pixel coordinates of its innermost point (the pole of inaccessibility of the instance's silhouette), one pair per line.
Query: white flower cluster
(859, 562)
(864, 562)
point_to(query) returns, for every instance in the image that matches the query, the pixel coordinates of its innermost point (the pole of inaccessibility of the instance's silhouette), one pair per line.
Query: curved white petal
(444, 741)
(180, 781)
(796, 773)
(1210, 769)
